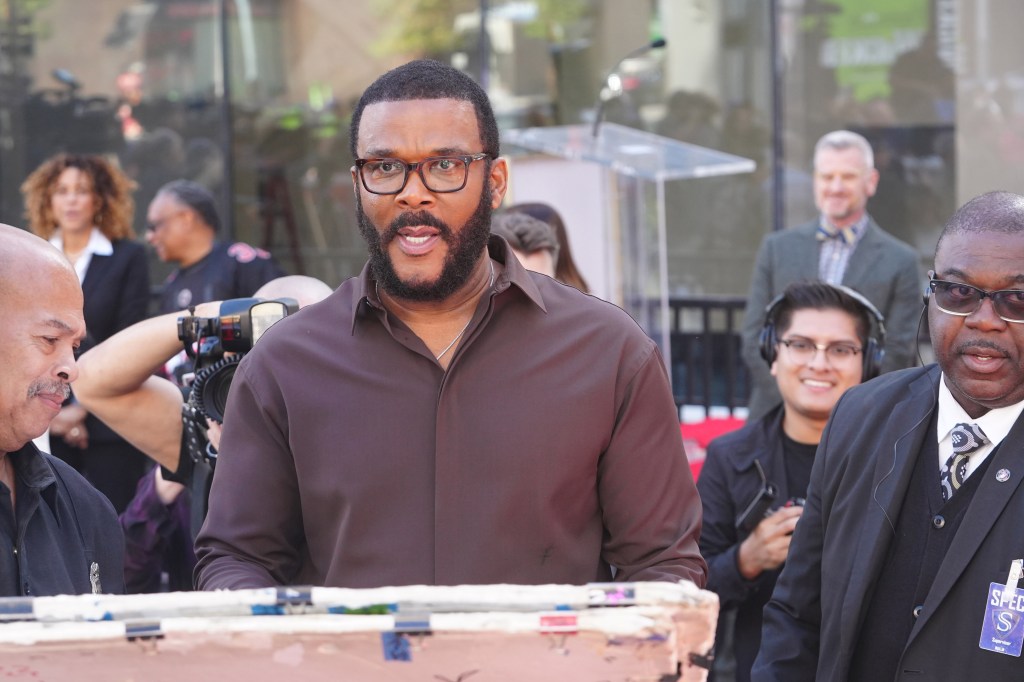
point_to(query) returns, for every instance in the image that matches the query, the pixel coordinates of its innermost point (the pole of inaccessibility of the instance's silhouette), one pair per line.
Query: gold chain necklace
(459, 335)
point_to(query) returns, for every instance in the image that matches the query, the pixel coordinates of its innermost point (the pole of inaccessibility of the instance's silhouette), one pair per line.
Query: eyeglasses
(439, 174)
(803, 351)
(155, 225)
(957, 298)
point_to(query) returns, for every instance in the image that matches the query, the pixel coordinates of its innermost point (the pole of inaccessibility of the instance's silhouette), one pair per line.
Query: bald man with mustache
(58, 534)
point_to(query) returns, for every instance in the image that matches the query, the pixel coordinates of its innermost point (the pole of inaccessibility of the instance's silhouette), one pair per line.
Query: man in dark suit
(818, 340)
(906, 561)
(843, 246)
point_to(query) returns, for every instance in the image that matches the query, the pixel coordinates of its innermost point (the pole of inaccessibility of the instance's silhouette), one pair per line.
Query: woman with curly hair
(83, 205)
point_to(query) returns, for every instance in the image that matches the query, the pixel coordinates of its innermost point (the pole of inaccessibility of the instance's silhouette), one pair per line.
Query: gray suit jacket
(882, 268)
(858, 484)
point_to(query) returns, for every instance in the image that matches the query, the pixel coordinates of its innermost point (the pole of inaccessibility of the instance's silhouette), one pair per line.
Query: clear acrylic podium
(635, 222)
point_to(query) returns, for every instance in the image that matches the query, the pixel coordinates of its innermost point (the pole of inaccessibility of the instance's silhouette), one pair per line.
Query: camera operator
(117, 384)
(818, 340)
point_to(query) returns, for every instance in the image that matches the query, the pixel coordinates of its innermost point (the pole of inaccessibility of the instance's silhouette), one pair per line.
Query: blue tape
(267, 610)
(142, 629)
(416, 623)
(396, 647)
(16, 606)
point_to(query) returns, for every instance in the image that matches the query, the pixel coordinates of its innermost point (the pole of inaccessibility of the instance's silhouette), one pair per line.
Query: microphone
(599, 104)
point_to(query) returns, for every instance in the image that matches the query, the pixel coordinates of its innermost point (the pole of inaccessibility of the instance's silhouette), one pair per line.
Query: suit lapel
(765, 446)
(805, 255)
(864, 257)
(990, 499)
(98, 267)
(906, 431)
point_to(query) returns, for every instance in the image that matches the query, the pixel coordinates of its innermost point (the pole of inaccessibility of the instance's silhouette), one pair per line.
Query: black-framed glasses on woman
(439, 174)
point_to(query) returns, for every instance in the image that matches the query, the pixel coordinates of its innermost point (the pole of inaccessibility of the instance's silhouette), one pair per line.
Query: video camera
(207, 340)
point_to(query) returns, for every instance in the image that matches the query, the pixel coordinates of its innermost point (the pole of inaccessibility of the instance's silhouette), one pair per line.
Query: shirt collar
(32, 470)
(857, 229)
(513, 273)
(996, 423)
(98, 244)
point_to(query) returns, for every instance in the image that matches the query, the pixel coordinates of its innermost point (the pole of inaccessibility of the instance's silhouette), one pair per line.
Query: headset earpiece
(768, 341)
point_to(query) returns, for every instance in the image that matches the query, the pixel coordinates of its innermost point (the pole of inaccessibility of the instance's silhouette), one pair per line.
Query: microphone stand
(599, 104)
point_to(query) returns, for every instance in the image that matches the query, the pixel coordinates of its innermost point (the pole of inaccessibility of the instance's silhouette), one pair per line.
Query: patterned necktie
(845, 234)
(967, 438)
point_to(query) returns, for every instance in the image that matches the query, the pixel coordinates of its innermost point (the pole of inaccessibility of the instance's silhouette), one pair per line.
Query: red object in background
(697, 435)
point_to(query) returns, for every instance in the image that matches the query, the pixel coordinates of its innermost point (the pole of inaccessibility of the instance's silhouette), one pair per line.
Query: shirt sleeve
(254, 480)
(651, 509)
(147, 525)
(254, 274)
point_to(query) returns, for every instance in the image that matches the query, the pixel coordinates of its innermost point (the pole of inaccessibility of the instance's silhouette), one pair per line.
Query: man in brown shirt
(447, 417)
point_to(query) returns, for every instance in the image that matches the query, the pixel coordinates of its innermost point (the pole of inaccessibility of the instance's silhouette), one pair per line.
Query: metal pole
(778, 146)
(227, 127)
(484, 48)
(663, 319)
(11, 118)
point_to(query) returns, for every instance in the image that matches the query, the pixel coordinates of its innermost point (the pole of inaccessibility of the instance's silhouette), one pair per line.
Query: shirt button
(917, 610)
(938, 521)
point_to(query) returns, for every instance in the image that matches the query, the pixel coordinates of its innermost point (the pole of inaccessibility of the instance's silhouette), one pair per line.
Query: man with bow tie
(842, 246)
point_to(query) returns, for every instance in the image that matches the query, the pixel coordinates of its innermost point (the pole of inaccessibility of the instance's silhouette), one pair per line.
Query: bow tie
(846, 234)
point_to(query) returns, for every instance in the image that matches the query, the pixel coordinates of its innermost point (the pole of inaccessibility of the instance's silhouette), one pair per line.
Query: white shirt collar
(98, 245)
(995, 423)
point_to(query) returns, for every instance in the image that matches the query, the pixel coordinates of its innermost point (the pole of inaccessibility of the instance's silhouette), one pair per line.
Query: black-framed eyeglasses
(155, 225)
(957, 298)
(803, 350)
(440, 174)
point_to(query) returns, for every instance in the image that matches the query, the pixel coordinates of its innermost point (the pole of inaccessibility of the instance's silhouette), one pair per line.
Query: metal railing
(707, 365)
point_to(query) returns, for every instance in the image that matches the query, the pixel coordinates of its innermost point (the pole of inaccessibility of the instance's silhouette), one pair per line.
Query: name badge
(1003, 629)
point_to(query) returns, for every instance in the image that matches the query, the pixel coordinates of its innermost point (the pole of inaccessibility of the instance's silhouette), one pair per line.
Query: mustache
(981, 344)
(415, 219)
(45, 387)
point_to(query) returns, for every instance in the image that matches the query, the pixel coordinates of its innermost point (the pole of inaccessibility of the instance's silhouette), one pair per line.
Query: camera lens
(215, 392)
(211, 386)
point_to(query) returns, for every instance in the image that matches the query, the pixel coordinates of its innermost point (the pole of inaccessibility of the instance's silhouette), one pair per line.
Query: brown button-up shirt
(548, 452)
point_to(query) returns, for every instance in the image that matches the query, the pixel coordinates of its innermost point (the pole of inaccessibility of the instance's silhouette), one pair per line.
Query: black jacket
(727, 483)
(859, 481)
(67, 539)
(116, 292)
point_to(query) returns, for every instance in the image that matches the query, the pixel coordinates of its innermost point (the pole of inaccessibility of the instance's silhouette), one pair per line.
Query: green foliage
(21, 8)
(420, 28)
(555, 18)
(426, 28)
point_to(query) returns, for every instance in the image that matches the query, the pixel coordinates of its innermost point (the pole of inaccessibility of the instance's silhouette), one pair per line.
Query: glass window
(262, 119)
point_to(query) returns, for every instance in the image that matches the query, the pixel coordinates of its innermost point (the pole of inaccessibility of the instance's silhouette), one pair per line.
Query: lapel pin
(1003, 475)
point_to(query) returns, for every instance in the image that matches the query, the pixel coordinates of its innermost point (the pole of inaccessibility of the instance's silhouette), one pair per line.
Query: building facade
(252, 98)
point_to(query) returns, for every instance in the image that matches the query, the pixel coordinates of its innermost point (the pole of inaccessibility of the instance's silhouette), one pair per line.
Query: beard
(464, 251)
